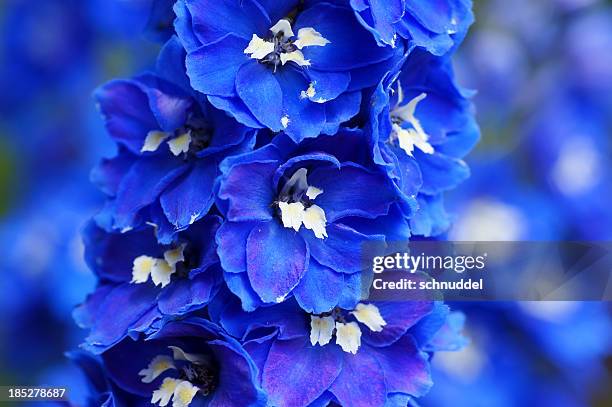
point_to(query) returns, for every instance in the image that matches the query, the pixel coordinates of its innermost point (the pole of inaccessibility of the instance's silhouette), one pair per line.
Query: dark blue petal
(185, 295)
(236, 107)
(190, 197)
(239, 284)
(125, 108)
(231, 241)
(249, 190)
(399, 316)
(143, 183)
(440, 172)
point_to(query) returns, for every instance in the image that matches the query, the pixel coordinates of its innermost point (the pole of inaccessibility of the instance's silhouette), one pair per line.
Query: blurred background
(543, 171)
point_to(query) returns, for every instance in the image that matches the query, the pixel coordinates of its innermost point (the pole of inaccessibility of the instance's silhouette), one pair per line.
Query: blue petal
(212, 68)
(237, 374)
(231, 245)
(111, 255)
(143, 183)
(405, 367)
(239, 284)
(431, 218)
(400, 317)
(213, 19)
(186, 295)
(190, 197)
(341, 250)
(351, 46)
(277, 258)
(340, 110)
(361, 382)
(328, 85)
(305, 117)
(248, 188)
(440, 172)
(107, 175)
(125, 108)
(120, 309)
(261, 93)
(320, 289)
(347, 192)
(168, 103)
(296, 374)
(170, 63)
(235, 107)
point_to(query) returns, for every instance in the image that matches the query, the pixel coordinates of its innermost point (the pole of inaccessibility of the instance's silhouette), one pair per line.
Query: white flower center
(281, 47)
(348, 334)
(160, 270)
(179, 144)
(302, 211)
(414, 136)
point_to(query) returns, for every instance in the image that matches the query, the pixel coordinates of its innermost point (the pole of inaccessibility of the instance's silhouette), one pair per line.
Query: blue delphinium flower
(422, 124)
(436, 26)
(142, 282)
(284, 65)
(374, 354)
(170, 144)
(296, 215)
(189, 363)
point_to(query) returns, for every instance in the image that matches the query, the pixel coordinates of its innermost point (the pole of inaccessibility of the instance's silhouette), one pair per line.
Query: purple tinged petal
(186, 295)
(405, 367)
(400, 316)
(236, 376)
(261, 93)
(277, 258)
(320, 289)
(191, 196)
(107, 175)
(249, 190)
(361, 382)
(296, 373)
(231, 241)
(213, 67)
(126, 112)
(340, 110)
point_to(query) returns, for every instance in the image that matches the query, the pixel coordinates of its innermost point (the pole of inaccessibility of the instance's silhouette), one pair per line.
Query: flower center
(161, 269)
(406, 128)
(282, 46)
(189, 139)
(343, 324)
(193, 375)
(296, 207)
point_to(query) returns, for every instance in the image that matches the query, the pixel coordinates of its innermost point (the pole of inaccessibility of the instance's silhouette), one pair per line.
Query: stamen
(141, 269)
(158, 365)
(348, 336)
(165, 392)
(314, 219)
(321, 330)
(153, 140)
(416, 136)
(180, 144)
(369, 315)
